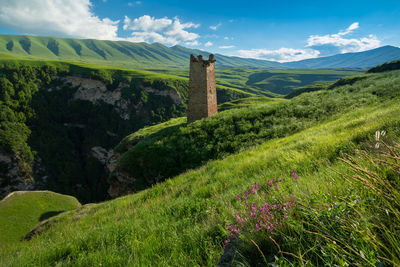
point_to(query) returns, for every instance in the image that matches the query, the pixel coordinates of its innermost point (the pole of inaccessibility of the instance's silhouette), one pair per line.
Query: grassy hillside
(113, 53)
(393, 65)
(272, 82)
(22, 211)
(285, 81)
(179, 147)
(144, 55)
(337, 219)
(183, 221)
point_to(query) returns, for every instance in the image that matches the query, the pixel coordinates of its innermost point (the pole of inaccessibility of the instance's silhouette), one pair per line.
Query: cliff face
(76, 121)
(12, 177)
(95, 116)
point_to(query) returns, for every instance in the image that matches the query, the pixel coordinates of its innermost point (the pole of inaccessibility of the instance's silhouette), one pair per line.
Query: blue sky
(272, 30)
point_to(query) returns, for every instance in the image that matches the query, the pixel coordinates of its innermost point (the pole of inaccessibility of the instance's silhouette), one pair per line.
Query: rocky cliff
(75, 120)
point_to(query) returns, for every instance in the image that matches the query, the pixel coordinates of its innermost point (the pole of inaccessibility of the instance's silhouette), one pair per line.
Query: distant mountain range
(145, 56)
(368, 58)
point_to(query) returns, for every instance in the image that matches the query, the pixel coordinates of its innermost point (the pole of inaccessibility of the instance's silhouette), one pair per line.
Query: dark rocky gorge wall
(76, 122)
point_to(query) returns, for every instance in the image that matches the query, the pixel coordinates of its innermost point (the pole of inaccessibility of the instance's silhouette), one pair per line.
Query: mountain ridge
(156, 55)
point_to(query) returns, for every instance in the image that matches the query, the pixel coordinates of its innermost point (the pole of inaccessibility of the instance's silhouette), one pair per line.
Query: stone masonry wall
(202, 102)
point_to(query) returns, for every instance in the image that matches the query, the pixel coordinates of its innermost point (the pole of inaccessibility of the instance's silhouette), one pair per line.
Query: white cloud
(215, 27)
(227, 46)
(318, 45)
(193, 43)
(350, 29)
(281, 55)
(208, 44)
(339, 41)
(65, 18)
(163, 30)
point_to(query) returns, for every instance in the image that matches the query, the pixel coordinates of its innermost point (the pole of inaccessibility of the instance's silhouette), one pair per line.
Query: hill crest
(156, 55)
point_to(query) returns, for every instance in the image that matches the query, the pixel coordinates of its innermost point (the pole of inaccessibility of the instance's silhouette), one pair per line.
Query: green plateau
(21, 211)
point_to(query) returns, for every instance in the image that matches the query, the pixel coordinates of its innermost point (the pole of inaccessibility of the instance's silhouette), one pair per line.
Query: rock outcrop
(105, 157)
(11, 176)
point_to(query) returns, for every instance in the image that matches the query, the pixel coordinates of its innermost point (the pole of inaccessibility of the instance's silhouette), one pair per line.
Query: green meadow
(346, 212)
(21, 211)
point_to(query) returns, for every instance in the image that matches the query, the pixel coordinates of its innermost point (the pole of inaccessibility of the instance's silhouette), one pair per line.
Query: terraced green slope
(22, 211)
(122, 54)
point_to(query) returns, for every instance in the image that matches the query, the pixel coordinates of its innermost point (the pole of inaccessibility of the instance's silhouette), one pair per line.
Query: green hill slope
(113, 53)
(184, 220)
(22, 211)
(149, 56)
(179, 147)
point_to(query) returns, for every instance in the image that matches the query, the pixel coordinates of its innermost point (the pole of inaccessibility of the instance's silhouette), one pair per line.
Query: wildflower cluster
(258, 214)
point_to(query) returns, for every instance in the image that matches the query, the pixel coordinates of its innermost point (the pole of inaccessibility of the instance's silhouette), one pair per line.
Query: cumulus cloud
(341, 43)
(215, 27)
(281, 55)
(227, 46)
(208, 44)
(318, 45)
(65, 18)
(163, 30)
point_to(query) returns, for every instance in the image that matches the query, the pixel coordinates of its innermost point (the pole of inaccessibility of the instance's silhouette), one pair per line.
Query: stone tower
(202, 101)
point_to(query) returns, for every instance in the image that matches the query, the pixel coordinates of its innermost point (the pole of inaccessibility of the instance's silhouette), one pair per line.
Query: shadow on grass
(49, 214)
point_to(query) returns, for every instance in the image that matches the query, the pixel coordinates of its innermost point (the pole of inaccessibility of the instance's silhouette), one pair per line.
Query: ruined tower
(202, 101)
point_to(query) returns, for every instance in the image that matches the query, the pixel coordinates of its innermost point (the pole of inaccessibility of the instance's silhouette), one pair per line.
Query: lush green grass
(249, 102)
(179, 147)
(285, 81)
(393, 65)
(22, 211)
(271, 82)
(183, 221)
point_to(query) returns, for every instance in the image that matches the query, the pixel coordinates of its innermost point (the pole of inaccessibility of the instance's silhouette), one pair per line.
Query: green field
(22, 211)
(271, 82)
(184, 220)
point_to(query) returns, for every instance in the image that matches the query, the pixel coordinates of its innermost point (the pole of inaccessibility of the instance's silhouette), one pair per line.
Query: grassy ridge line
(183, 220)
(21, 211)
(115, 53)
(254, 101)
